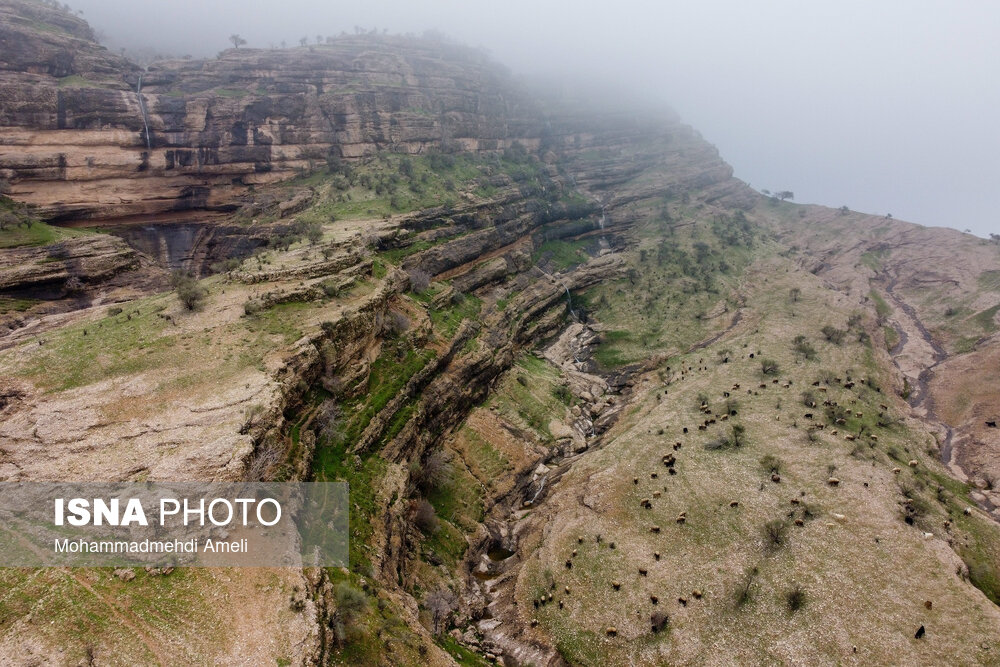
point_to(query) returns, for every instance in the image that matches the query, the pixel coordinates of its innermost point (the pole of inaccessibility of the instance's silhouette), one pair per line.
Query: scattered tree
(794, 294)
(237, 40)
(769, 367)
(189, 291)
(785, 194)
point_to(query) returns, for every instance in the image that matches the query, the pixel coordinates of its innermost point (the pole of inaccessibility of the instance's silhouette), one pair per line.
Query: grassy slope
(866, 576)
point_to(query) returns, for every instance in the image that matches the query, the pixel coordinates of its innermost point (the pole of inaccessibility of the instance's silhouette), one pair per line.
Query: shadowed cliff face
(191, 247)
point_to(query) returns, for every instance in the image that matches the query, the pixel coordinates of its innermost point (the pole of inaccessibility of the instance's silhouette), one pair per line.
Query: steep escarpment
(87, 134)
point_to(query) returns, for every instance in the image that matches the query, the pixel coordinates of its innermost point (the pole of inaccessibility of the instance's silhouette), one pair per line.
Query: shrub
(314, 234)
(809, 399)
(804, 347)
(190, 293)
(350, 604)
(420, 280)
(833, 334)
(769, 367)
(795, 597)
(771, 463)
(744, 589)
(331, 288)
(775, 531)
(253, 306)
(425, 517)
(397, 323)
(4, 187)
(434, 472)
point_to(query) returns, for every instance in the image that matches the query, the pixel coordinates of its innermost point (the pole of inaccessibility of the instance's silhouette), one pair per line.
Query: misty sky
(887, 106)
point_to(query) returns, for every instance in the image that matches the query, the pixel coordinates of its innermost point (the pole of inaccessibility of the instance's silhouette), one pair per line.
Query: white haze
(886, 107)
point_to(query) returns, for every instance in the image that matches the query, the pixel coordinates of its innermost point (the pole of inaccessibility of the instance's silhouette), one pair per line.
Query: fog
(886, 107)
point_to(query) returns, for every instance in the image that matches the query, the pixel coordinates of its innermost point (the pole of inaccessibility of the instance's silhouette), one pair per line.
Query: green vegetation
(92, 351)
(23, 230)
(279, 320)
(77, 81)
(685, 267)
(561, 255)
(526, 395)
(986, 319)
(891, 337)
(882, 309)
(447, 320)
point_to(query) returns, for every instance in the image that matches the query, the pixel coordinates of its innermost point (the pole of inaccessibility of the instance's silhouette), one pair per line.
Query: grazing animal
(848, 437)
(616, 585)
(928, 604)
(569, 565)
(654, 599)
(654, 529)
(635, 480)
(534, 622)
(776, 478)
(884, 407)
(677, 446)
(920, 633)
(681, 519)
(672, 471)
(642, 572)
(800, 522)
(697, 594)
(567, 590)
(734, 503)
(611, 545)
(833, 481)
(808, 415)
(646, 504)
(794, 501)
(683, 601)
(656, 555)
(656, 494)
(574, 553)
(912, 463)
(612, 632)
(992, 423)
(653, 475)
(896, 471)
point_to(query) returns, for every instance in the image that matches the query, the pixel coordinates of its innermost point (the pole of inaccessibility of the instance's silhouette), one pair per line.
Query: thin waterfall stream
(142, 107)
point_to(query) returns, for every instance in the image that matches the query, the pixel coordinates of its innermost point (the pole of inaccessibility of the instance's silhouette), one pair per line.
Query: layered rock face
(88, 134)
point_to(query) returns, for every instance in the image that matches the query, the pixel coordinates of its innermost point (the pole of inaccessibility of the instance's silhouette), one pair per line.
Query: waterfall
(601, 221)
(142, 107)
(539, 491)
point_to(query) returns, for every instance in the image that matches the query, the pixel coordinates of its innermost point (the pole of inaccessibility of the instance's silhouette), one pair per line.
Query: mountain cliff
(598, 401)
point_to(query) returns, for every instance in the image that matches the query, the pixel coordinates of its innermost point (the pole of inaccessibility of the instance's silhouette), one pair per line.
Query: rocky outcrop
(65, 266)
(87, 134)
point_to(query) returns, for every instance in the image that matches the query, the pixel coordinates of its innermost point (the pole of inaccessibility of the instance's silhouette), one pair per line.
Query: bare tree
(237, 40)
(441, 603)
